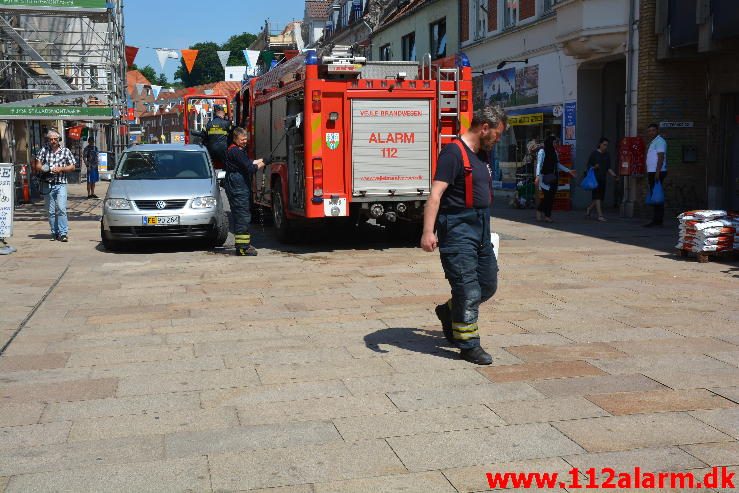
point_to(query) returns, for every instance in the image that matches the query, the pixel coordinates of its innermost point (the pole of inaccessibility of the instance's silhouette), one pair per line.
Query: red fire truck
(351, 138)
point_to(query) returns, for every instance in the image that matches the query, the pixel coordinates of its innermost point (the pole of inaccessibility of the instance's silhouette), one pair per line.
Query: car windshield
(163, 165)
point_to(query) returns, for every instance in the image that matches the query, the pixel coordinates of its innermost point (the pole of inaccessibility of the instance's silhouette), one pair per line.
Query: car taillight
(317, 177)
(464, 104)
(316, 101)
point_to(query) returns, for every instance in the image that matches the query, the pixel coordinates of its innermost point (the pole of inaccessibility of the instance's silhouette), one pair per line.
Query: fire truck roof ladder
(447, 100)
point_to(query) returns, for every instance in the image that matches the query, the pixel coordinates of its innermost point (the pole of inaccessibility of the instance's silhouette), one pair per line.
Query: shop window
(408, 43)
(438, 39)
(385, 52)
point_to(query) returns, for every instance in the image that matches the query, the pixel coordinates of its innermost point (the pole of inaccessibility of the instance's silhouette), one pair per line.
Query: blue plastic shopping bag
(657, 196)
(590, 182)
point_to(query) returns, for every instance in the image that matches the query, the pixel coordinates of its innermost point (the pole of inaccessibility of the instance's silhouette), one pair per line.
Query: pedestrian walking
(656, 170)
(547, 177)
(457, 220)
(91, 156)
(52, 163)
(239, 173)
(600, 162)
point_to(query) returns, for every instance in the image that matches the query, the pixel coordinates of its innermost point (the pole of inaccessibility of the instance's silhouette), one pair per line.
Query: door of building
(731, 150)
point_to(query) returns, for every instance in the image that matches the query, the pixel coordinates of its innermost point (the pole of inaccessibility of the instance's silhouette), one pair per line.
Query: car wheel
(282, 224)
(108, 244)
(220, 234)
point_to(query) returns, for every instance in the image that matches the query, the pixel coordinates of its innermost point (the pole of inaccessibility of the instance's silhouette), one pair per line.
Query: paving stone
(44, 376)
(473, 478)
(639, 431)
(726, 420)
(82, 342)
(315, 409)
(598, 333)
(121, 406)
(699, 379)
(3, 484)
(489, 445)
(668, 362)
(544, 410)
(447, 360)
(156, 477)
(730, 393)
(73, 390)
(239, 439)
(112, 356)
(155, 367)
(415, 400)
(273, 393)
(729, 357)
(647, 459)
(61, 456)
(155, 423)
(696, 345)
(426, 481)
(414, 422)
(396, 382)
(533, 371)
(20, 414)
(715, 454)
(322, 371)
(654, 401)
(187, 381)
(300, 465)
(17, 437)
(574, 352)
(33, 362)
(279, 357)
(590, 385)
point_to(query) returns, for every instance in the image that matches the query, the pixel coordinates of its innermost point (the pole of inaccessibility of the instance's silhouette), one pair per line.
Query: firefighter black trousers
(470, 267)
(239, 194)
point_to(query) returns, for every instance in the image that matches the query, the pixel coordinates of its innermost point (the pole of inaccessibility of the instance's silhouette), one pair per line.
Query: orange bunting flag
(131, 52)
(189, 57)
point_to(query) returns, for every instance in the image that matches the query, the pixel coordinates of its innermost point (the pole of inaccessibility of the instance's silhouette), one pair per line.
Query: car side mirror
(220, 175)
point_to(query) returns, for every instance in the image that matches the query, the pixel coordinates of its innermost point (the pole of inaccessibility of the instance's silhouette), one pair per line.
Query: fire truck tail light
(316, 101)
(464, 104)
(317, 177)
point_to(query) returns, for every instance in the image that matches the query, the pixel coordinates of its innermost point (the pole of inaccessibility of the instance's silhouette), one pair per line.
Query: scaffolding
(64, 60)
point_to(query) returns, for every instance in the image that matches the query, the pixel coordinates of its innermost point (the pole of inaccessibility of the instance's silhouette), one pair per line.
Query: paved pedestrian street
(321, 367)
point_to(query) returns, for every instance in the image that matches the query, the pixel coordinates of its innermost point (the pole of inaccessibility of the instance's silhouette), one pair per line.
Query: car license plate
(160, 220)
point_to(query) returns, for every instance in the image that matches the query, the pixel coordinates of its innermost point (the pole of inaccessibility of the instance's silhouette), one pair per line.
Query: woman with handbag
(547, 177)
(600, 162)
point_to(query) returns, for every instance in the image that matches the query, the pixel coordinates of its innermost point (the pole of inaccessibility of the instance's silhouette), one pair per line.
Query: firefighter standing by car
(239, 173)
(458, 211)
(217, 134)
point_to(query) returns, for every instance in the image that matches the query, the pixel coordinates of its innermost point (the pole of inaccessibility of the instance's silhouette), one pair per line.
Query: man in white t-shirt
(656, 160)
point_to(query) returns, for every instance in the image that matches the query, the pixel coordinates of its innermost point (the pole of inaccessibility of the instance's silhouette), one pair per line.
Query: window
(385, 52)
(438, 39)
(548, 5)
(480, 18)
(409, 46)
(510, 13)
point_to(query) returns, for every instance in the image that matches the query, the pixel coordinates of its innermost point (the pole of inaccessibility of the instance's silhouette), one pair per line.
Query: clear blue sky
(178, 24)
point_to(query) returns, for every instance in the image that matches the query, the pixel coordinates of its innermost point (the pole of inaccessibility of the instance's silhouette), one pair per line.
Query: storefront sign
(511, 86)
(676, 124)
(55, 4)
(54, 112)
(531, 119)
(570, 121)
(6, 200)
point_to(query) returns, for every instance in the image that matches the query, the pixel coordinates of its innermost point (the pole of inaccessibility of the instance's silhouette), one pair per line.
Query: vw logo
(161, 204)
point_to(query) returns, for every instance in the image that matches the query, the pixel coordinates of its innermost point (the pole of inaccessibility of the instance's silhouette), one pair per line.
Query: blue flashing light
(462, 60)
(311, 58)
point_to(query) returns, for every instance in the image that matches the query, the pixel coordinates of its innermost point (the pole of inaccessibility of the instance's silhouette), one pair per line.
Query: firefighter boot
(243, 246)
(477, 355)
(444, 313)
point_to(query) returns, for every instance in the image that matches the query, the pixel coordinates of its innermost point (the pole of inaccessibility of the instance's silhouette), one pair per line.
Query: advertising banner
(55, 113)
(6, 199)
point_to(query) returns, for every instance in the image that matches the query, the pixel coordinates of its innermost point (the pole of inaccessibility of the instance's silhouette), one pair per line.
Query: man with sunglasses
(53, 162)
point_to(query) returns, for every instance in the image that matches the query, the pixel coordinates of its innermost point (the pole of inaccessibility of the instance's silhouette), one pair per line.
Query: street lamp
(503, 63)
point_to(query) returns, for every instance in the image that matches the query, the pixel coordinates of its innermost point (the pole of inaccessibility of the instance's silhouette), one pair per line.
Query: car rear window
(163, 165)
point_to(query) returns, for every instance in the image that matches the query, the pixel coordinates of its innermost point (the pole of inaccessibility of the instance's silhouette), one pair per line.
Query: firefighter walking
(457, 220)
(239, 173)
(216, 134)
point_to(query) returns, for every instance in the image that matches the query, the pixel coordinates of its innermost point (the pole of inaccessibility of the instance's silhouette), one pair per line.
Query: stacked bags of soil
(708, 231)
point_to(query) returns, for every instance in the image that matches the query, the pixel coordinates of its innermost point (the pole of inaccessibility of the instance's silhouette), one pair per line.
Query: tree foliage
(207, 67)
(148, 72)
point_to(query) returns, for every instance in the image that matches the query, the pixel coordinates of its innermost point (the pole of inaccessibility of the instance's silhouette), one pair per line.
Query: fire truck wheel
(281, 222)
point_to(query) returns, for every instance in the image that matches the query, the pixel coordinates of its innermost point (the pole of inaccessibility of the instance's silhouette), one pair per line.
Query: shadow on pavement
(411, 339)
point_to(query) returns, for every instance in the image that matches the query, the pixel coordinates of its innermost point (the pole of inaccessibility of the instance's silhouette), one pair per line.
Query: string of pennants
(189, 57)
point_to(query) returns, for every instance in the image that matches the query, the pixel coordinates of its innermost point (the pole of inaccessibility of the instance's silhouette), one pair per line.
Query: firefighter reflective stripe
(464, 332)
(214, 130)
(242, 240)
(468, 190)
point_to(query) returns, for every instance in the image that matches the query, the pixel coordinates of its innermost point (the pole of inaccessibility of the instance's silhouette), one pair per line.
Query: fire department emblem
(332, 141)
